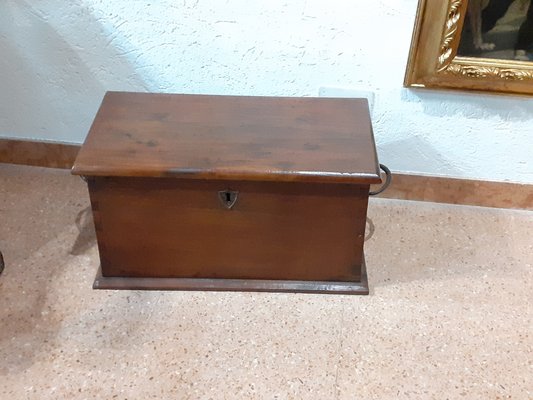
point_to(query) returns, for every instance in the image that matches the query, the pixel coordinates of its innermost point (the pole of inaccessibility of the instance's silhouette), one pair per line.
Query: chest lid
(231, 138)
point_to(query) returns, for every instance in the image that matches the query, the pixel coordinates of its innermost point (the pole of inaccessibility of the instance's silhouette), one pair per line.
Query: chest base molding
(231, 285)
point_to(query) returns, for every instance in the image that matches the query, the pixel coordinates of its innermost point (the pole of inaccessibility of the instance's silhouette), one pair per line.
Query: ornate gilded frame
(433, 60)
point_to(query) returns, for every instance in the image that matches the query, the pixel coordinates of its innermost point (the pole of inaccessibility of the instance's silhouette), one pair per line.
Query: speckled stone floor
(449, 314)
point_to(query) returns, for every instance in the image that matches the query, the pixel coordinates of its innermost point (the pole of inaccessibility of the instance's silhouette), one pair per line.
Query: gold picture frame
(434, 63)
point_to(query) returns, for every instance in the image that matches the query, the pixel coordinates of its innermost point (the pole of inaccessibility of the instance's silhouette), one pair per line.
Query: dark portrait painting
(499, 29)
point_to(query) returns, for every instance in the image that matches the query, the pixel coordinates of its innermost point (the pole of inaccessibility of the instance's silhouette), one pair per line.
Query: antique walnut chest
(230, 193)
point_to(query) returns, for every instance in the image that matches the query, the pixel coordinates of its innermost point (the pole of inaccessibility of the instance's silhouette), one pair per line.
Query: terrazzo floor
(449, 315)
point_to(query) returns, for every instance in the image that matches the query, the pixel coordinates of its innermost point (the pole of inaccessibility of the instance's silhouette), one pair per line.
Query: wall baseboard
(38, 153)
(404, 186)
(460, 191)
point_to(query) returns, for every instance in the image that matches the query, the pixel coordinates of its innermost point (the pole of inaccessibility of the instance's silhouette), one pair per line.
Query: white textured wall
(57, 59)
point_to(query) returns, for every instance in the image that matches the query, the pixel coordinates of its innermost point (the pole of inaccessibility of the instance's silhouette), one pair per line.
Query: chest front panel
(166, 227)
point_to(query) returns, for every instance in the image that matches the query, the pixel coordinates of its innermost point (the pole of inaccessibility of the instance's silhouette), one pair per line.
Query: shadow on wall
(421, 156)
(442, 103)
(55, 70)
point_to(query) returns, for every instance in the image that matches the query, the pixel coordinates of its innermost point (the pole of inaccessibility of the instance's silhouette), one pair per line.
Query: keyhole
(228, 198)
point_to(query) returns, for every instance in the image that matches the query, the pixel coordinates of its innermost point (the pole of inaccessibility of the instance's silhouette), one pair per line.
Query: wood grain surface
(242, 285)
(231, 137)
(38, 153)
(169, 227)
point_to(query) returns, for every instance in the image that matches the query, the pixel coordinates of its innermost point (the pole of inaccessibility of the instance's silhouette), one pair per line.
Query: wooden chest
(230, 193)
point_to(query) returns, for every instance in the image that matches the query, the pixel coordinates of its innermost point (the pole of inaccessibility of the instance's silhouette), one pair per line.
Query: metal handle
(388, 180)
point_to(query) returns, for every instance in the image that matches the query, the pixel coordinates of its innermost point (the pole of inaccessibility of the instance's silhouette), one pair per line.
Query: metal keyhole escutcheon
(228, 198)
